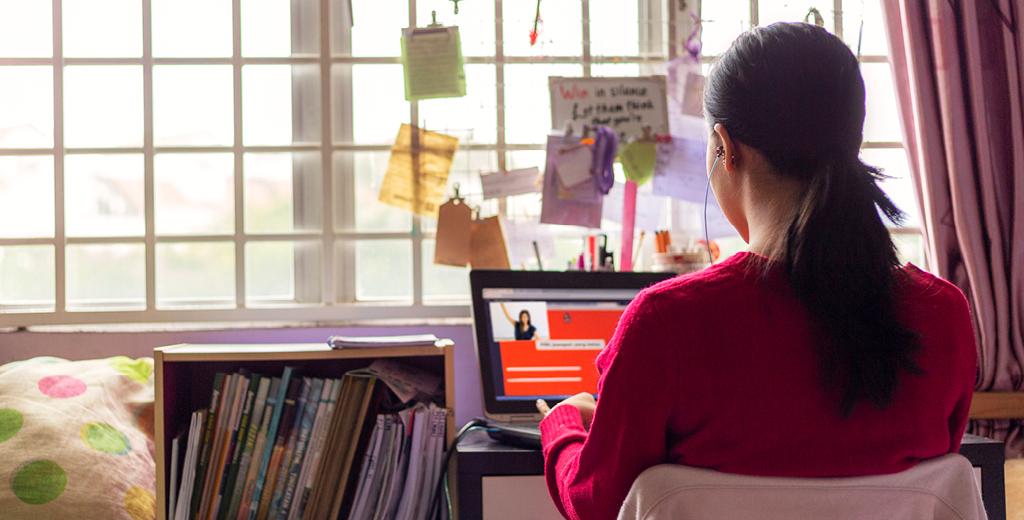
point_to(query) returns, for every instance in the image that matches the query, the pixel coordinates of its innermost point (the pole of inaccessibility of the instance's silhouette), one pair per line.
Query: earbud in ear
(720, 151)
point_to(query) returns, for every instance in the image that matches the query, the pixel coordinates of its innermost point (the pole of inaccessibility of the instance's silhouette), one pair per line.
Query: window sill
(136, 328)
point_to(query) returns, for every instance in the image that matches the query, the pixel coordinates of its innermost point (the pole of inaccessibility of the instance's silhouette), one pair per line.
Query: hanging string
(536, 22)
(693, 43)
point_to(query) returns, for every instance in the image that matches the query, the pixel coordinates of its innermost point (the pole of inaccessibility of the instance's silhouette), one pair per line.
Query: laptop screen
(543, 342)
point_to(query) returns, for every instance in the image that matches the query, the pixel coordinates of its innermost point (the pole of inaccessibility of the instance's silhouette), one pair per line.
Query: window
(219, 160)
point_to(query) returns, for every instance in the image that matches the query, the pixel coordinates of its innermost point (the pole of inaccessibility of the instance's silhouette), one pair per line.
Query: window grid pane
(192, 107)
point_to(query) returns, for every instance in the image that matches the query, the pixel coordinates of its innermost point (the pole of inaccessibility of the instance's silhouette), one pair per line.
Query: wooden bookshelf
(184, 379)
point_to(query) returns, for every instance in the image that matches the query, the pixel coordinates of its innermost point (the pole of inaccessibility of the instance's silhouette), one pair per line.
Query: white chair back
(944, 488)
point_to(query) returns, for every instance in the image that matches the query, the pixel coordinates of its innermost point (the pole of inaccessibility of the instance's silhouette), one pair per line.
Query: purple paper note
(583, 205)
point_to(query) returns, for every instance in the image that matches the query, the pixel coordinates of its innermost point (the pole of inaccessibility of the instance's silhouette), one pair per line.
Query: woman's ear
(731, 150)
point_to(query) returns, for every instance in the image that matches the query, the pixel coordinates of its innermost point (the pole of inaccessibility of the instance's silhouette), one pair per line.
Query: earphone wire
(707, 191)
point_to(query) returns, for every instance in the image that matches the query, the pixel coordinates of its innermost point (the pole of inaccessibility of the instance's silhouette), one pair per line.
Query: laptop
(537, 336)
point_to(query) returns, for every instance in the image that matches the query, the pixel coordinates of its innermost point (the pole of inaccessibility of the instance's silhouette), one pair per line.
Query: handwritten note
(487, 248)
(693, 95)
(680, 171)
(625, 104)
(417, 172)
(433, 63)
(454, 224)
(512, 182)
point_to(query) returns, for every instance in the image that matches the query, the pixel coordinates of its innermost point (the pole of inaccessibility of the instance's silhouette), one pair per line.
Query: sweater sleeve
(589, 474)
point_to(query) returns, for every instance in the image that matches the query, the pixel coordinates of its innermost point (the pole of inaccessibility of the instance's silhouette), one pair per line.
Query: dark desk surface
(479, 455)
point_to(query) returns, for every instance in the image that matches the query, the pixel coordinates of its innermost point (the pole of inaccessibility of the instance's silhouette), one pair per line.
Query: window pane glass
(473, 118)
(27, 278)
(560, 31)
(384, 270)
(900, 187)
(191, 28)
(721, 22)
(881, 122)
(280, 104)
(869, 12)
(282, 192)
(194, 193)
(443, 282)
(528, 100)
(26, 29)
(467, 165)
(615, 69)
(475, 21)
(910, 247)
(377, 106)
(26, 102)
(267, 28)
(282, 272)
(106, 276)
(192, 105)
(107, 29)
(103, 106)
(614, 28)
(104, 195)
(377, 30)
(794, 11)
(195, 274)
(361, 210)
(26, 196)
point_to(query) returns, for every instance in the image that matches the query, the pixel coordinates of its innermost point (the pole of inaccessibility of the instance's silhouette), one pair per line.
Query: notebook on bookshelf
(293, 447)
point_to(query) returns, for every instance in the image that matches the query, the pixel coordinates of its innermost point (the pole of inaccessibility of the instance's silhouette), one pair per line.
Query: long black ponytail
(794, 92)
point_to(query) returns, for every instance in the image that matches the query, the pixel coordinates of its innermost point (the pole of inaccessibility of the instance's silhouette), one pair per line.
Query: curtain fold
(958, 72)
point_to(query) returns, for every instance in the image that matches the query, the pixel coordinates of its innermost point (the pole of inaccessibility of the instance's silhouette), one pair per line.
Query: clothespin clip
(586, 139)
(647, 136)
(568, 130)
(814, 13)
(456, 2)
(433, 18)
(458, 196)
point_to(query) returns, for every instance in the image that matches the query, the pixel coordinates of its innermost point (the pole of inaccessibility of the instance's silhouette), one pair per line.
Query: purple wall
(88, 345)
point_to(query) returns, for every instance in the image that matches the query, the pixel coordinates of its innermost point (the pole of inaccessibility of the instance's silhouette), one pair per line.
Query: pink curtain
(959, 72)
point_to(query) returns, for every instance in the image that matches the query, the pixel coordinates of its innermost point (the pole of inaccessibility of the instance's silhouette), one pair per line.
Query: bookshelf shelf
(185, 374)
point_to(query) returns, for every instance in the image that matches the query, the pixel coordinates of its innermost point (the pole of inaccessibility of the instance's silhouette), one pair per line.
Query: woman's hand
(583, 402)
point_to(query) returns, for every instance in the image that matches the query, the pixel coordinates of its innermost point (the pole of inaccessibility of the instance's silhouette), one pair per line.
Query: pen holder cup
(679, 262)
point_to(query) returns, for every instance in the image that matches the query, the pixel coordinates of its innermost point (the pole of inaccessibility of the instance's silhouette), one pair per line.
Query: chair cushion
(76, 439)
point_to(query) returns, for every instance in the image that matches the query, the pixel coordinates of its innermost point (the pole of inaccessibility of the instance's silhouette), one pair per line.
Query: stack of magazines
(293, 447)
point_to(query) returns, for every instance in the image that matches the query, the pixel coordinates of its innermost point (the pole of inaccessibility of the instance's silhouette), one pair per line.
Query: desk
(480, 457)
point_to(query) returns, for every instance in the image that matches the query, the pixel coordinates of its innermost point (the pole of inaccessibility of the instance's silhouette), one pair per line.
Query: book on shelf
(291, 447)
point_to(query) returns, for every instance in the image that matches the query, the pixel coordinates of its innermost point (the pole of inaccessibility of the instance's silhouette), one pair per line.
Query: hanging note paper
(432, 59)
(626, 104)
(454, 224)
(693, 95)
(580, 206)
(573, 165)
(418, 170)
(512, 182)
(650, 209)
(680, 171)
(638, 160)
(487, 245)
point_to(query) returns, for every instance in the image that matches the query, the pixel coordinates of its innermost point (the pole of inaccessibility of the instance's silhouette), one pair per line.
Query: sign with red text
(625, 104)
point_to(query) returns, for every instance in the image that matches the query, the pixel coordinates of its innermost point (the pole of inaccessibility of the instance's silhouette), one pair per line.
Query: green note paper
(433, 64)
(638, 160)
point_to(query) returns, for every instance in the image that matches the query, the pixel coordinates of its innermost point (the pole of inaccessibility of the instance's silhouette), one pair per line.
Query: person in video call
(813, 354)
(523, 327)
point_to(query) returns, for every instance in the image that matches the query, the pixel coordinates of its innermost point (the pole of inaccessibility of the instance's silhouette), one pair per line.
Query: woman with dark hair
(815, 354)
(524, 328)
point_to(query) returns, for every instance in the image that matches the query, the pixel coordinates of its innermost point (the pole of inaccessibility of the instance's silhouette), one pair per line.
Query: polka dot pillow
(75, 439)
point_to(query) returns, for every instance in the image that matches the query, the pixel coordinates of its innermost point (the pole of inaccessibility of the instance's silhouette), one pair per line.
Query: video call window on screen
(547, 348)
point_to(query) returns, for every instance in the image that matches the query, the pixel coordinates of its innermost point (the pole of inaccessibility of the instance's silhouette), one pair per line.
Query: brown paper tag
(487, 245)
(454, 225)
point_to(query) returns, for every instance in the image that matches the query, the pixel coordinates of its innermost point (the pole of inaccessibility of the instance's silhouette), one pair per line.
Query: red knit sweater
(718, 369)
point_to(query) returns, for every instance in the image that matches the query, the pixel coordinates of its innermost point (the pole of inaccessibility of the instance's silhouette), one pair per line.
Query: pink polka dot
(61, 386)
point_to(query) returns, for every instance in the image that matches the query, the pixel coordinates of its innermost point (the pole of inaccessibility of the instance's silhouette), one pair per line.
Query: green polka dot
(10, 422)
(38, 482)
(136, 369)
(104, 437)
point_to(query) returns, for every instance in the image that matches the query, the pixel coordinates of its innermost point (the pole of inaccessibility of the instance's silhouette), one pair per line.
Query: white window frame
(337, 275)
